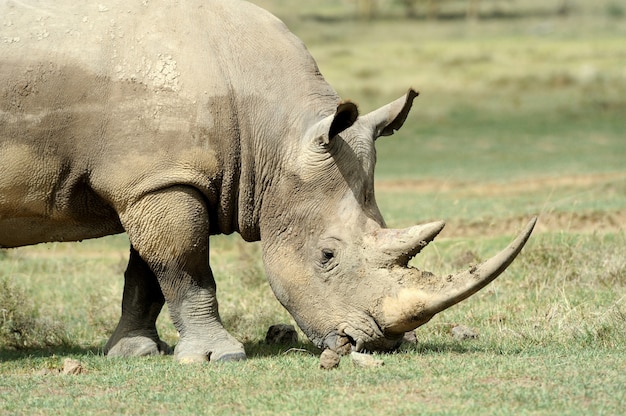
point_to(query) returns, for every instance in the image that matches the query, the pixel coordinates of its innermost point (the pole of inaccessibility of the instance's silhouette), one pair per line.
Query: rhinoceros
(174, 121)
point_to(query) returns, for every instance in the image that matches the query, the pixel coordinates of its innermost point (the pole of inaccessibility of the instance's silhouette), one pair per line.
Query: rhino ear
(345, 116)
(388, 119)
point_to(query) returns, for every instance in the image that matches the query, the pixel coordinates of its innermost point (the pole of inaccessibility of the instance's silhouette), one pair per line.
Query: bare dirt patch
(583, 222)
(498, 188)
(598, 221)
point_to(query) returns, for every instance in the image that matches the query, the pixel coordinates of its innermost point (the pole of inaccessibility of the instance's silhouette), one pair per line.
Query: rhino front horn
(428, 295)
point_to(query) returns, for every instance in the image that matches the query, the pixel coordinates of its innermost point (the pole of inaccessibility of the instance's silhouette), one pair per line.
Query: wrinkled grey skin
(173, 122)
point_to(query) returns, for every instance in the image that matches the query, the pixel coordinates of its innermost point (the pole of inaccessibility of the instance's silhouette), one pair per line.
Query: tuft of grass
(21, 325)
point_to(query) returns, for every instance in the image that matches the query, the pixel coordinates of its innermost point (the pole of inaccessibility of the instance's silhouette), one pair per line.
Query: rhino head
(334, 265)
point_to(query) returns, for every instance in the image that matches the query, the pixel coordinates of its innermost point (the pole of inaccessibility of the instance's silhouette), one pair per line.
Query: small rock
(192, 359)
(329, 360)
(281, 334)
(365, 360)
(410, 337)
(461, 333)
(72, 367)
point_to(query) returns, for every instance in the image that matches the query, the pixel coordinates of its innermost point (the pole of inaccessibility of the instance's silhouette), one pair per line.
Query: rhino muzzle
(419, 295)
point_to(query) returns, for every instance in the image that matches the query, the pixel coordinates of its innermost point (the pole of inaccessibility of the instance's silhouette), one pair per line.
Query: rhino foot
(222, 350)
(138, 346)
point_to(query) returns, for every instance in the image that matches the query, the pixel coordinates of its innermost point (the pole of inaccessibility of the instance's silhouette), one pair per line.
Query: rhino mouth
(348, 338)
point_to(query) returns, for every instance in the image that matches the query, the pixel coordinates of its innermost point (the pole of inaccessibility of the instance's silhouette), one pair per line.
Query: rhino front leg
(136, 333)
(203, 337)
(170, 231)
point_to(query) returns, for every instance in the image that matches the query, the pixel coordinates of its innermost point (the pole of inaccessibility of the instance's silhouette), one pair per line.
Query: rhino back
(103, 103)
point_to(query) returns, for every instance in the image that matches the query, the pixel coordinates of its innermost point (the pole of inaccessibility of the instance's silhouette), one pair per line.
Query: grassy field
(519, 114)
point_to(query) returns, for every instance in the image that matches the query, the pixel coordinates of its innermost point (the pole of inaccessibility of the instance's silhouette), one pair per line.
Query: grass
(518, 116)
(427, 382)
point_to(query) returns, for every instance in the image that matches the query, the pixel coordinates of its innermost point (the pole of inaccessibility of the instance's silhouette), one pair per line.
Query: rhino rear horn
(399, 246)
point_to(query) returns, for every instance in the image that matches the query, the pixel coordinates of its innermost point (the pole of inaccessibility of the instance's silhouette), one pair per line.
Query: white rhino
(173, 121)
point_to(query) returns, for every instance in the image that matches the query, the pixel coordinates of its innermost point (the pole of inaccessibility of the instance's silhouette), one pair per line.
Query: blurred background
(522, 106)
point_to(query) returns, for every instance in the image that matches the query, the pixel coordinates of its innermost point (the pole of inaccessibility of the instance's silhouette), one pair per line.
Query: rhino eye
(327, 255)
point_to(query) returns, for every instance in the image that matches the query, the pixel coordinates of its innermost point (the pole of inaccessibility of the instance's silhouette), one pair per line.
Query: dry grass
(21, 324)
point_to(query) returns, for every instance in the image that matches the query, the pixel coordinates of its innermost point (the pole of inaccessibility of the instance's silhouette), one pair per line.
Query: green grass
(448, 379)
(517, 116)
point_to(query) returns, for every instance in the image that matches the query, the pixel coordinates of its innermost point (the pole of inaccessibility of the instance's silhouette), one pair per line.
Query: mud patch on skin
(32, 87)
